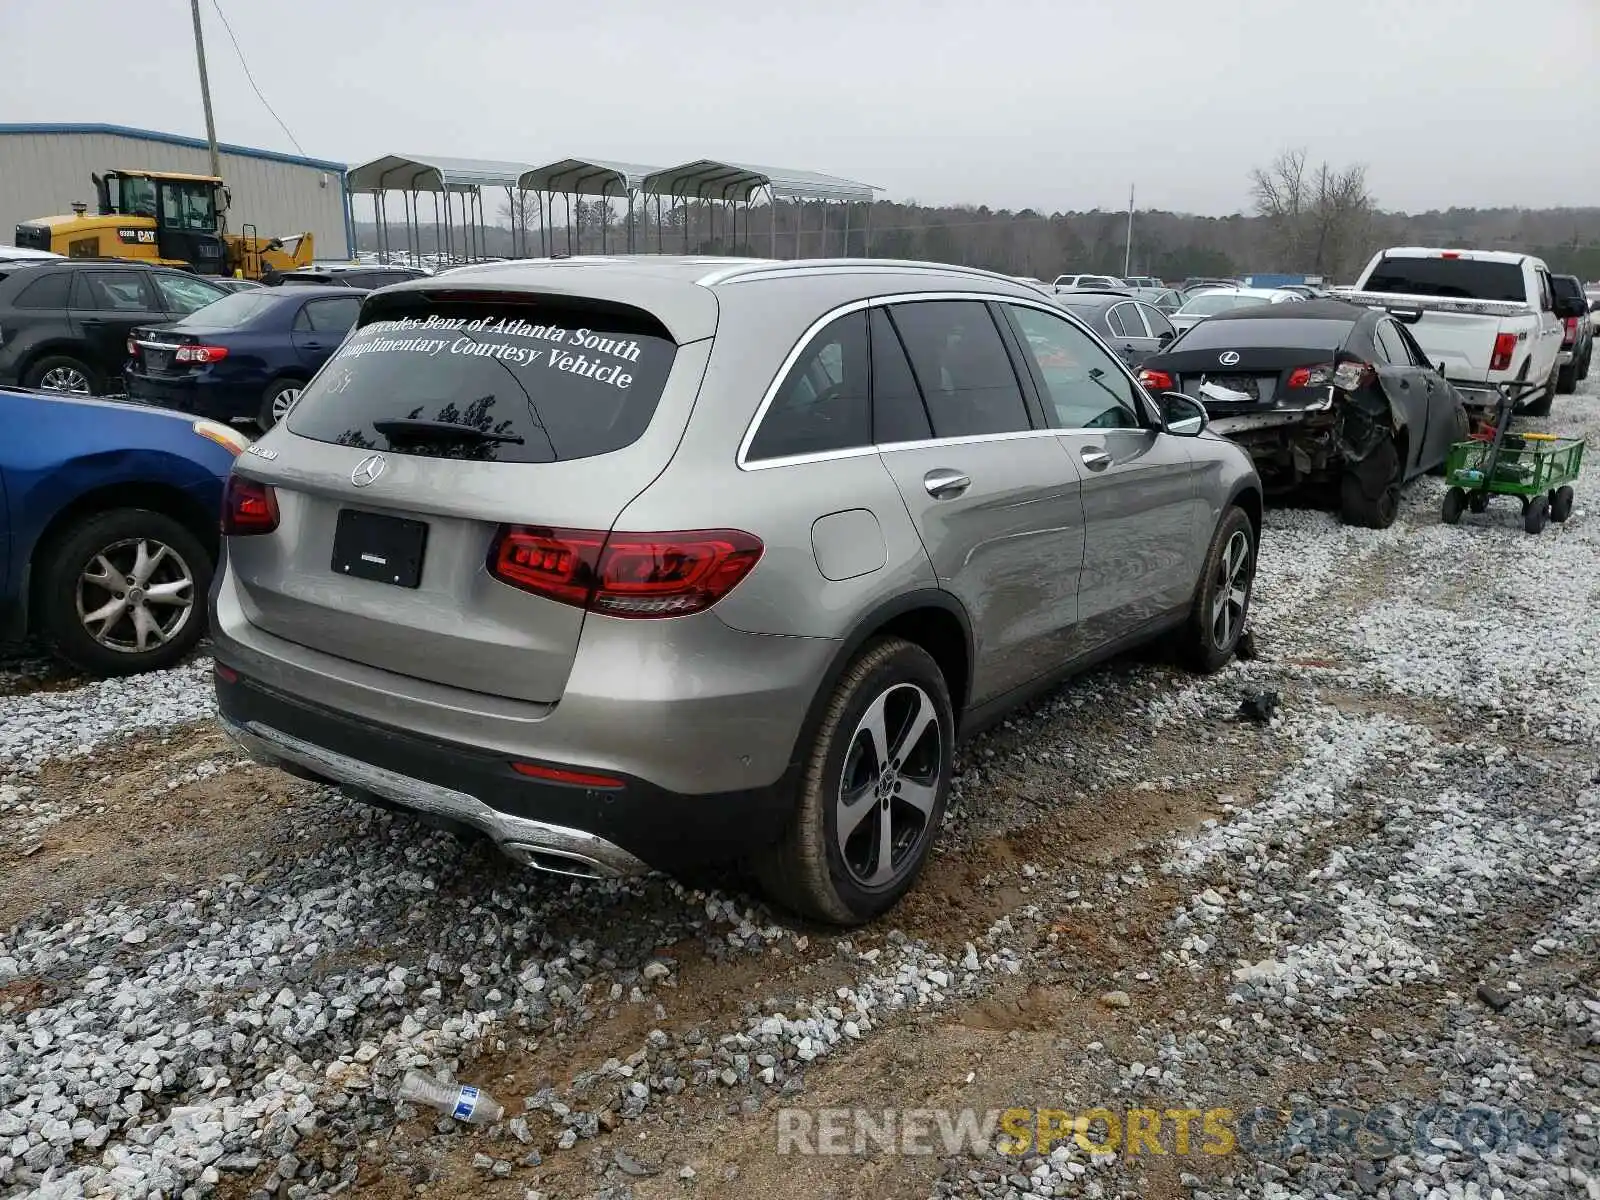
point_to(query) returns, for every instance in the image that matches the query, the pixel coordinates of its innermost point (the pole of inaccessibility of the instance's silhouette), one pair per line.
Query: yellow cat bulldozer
(166, 218)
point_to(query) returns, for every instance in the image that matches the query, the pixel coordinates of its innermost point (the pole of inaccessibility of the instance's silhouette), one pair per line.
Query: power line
(252, 79)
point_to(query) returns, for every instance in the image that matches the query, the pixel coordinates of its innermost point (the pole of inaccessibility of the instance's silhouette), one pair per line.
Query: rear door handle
(944, 484)
(1095, 459)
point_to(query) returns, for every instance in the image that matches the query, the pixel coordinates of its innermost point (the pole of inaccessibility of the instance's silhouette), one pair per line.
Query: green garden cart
(1537, 468)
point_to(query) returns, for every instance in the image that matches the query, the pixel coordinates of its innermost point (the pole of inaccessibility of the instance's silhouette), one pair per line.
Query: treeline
(1027, 242)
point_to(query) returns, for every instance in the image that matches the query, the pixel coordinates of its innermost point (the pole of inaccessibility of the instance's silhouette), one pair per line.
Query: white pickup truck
(1485, 316)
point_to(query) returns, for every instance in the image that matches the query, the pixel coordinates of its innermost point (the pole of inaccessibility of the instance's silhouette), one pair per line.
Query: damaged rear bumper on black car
(1312, 443)
(570, 828)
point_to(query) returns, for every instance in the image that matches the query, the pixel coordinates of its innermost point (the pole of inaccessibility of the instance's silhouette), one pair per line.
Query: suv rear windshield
(530, 379)
(1449, 278)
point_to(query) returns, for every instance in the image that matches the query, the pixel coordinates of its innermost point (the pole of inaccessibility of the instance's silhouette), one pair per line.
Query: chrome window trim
(741, 460)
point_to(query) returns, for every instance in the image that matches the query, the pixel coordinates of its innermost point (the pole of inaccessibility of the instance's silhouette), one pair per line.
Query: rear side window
(898, 414)
(113, 291)
(1393, 348)
(1449, 278)
(48, 292)
(329, 316)
(491, 378)
(821, 404)
(1125, 319)
(962, 367)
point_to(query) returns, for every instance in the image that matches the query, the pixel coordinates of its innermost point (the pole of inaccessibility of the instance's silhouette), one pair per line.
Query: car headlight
(226, 436)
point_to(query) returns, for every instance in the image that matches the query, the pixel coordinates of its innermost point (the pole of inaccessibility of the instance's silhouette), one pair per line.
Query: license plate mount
(379, 548)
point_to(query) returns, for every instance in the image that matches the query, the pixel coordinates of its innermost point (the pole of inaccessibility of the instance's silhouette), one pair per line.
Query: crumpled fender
(1364, 421)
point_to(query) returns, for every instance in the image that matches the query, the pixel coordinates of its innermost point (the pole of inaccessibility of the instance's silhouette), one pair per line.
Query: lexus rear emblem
(1228, 358)
(370, 467)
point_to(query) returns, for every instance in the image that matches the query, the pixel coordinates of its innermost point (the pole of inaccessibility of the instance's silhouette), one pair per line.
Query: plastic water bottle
(461, 1101)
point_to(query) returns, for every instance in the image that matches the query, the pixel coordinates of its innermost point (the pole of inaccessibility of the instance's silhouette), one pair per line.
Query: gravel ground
(1380, 909)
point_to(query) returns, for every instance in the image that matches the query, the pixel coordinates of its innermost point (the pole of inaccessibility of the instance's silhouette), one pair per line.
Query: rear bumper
(573, 829)
(203, 398)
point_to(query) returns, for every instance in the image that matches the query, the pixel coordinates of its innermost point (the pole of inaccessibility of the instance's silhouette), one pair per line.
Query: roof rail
(768, 268)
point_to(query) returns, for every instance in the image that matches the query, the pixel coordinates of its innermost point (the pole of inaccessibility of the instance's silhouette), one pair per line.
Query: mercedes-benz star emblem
(1228, 358)
(368, 469)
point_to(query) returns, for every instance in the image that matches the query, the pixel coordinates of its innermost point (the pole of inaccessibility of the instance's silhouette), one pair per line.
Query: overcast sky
(1049, 104)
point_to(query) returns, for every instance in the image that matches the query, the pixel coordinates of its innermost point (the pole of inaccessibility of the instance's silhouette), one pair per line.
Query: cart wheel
(1561, 503)
(1538, 515)
(1455, 503)
(1478, 502)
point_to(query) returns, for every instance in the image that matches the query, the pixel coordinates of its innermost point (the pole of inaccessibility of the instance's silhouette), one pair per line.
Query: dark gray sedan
(1132, 327)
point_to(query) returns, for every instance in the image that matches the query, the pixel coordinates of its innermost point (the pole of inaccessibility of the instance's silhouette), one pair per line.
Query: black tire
(278, 392)
(50, 372)
(115, 536)
(1537, 515)
(1455, 503)
(1478, 502)
(1212, 635)
(808, 871)
(1561, 503)
(1583, 367)
(1566, 379)
(1541, 406)
(1369, 494)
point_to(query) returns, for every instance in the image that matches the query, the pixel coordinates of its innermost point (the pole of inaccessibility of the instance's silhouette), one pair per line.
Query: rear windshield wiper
(414, 429)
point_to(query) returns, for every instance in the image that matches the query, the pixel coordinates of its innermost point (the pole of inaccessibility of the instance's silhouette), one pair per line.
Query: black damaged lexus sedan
(1322, 392)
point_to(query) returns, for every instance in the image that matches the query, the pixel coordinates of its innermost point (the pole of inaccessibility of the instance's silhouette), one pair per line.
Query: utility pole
(1127, 254)
(205, 88)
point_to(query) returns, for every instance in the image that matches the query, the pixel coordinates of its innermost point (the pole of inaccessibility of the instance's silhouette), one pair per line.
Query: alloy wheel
(889, 786)
(283, 402)
(65, 379)
(1233, 590)
(135, 595)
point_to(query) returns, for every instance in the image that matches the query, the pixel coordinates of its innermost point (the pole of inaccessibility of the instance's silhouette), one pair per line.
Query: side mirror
(1183, 415)
(1165, 336)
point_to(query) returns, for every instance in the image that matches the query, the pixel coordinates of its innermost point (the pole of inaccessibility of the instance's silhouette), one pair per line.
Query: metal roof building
(44, 168)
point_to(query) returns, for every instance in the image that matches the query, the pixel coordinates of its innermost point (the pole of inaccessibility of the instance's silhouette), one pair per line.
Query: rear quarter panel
(759, 323)
(64, 449)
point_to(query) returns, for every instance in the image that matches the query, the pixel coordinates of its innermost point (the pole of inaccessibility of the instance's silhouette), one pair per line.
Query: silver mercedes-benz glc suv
(653, 562)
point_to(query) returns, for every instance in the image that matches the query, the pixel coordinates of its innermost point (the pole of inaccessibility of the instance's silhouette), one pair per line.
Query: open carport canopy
(708, 179)
(585, 177)
(404, 173)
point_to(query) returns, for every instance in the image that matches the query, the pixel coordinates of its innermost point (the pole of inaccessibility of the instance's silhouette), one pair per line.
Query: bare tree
(1342, 212)
(1317, 219)
(1282, 197)
(520, 213)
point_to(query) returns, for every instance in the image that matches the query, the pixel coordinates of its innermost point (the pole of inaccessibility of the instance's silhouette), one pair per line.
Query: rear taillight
(1347, 376)
(1505, 345)
(625, 574)
(1156, 381)
(248, 507)
(200, 354)
(1571, 334)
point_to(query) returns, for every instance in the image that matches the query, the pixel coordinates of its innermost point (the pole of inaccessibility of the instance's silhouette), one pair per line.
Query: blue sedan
(244, 357)
(108, 527)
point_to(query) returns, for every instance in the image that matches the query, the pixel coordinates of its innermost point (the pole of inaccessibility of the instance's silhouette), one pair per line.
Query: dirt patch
(128, 827)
